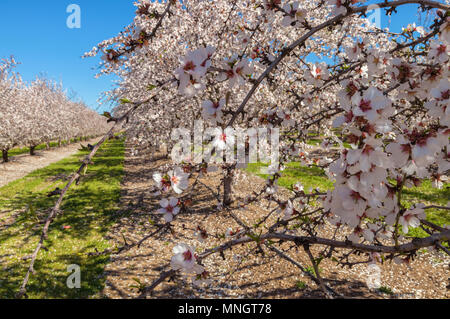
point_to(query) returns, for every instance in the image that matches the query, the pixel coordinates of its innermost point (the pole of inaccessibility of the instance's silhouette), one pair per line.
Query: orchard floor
(80, 227)
(242, 273)
(21, 165)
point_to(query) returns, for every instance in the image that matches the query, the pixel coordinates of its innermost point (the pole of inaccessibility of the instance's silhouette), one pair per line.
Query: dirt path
(21, 165)
(234, 275)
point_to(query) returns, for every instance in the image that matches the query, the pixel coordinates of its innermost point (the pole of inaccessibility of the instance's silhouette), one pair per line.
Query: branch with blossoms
(139, 38)
(301, 40)
(186, 260)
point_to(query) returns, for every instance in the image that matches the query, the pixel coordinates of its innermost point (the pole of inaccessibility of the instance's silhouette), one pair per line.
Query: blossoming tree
(297, 66)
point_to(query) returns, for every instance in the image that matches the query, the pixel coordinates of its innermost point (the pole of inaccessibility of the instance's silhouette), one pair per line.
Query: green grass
(88, 209)
(25, 150)
(294, 172)
(385, 290)
(301, 285)
(427, 194)
(314, 177)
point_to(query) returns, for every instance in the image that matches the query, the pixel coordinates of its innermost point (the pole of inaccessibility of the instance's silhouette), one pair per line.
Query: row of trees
(40, 112)
(296, 65)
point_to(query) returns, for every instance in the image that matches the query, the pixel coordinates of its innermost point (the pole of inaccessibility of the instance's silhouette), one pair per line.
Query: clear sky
(35, 32)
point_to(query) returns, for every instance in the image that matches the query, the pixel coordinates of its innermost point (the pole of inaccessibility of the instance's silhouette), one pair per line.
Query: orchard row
(40, 112)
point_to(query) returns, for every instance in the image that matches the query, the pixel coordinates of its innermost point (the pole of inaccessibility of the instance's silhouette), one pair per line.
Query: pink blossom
(184, 259)
(411, 218)
(169, 208)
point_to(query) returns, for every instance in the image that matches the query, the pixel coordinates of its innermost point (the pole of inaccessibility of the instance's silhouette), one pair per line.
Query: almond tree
(298, 66)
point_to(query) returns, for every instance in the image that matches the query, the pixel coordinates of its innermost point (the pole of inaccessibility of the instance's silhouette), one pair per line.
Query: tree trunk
(32, 149)
(59, 143)
(47, 145)
(227, 188)
(5, 156)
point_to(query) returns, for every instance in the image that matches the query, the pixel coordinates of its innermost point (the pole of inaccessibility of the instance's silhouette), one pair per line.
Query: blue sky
(405, 14)
(35, 32)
